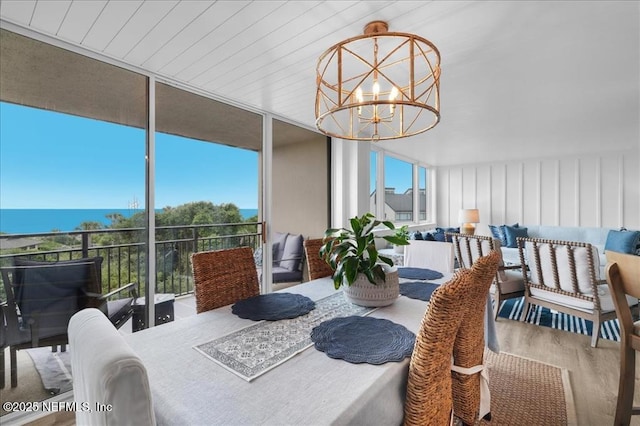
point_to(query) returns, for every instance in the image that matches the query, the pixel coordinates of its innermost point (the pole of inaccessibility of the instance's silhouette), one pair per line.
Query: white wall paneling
(531, 187)
(598, 190)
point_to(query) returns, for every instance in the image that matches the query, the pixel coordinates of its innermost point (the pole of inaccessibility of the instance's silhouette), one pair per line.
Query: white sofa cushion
(512, 282)
(606, 301)
(562, 253)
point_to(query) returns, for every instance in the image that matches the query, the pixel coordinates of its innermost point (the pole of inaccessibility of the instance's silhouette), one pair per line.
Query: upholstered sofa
(287, 257)
(597, 237)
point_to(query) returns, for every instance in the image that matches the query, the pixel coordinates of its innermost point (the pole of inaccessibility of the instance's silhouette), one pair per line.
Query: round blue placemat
(418, 273)
(418, 290)
(273, 306)
(359, 339)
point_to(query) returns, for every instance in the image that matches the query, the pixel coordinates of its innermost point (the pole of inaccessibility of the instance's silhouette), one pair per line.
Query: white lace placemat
(254, 350)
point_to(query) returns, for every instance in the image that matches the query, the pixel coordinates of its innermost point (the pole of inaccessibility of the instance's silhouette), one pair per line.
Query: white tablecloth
(308, 389)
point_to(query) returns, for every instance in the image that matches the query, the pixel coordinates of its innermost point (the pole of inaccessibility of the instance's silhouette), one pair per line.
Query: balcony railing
(124, 254)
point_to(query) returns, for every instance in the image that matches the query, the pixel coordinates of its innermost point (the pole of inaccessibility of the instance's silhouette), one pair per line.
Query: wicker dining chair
(468, 347)
(318, 268)
(429, 396)
(223, 277)
(623, 278)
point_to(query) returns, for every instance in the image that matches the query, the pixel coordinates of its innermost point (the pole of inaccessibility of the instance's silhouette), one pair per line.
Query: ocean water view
(29, 221)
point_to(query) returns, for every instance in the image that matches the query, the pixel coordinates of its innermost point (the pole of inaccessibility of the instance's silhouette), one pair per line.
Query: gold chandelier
(378, 86)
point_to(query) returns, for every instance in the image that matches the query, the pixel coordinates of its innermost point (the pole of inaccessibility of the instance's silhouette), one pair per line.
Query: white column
(150, 202)
(267, 182)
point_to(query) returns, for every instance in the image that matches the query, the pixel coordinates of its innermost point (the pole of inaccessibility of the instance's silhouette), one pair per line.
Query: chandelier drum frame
(408, 105)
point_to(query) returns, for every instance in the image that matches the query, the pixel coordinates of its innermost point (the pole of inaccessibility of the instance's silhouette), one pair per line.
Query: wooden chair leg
(595, 332)
(496, 305)
(525, 310)
(626, 383)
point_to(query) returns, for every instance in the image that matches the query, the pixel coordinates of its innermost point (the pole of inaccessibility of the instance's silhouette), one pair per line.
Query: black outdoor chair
(41, 297)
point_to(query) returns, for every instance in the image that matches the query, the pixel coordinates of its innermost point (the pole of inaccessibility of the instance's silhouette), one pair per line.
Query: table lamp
(468, 218)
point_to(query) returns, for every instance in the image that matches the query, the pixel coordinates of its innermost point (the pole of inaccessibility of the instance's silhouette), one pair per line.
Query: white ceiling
(519, 79)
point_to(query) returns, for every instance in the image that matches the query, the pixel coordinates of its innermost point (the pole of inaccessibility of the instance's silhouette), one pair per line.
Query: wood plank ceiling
(514, 73)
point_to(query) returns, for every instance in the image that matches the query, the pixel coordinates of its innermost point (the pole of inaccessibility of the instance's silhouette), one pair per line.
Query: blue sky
(53, 160)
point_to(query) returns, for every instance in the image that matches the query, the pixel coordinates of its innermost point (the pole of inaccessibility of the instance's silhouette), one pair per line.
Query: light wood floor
(593, 371)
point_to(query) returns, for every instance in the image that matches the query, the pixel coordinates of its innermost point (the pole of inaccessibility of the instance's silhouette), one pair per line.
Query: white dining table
(308, 389)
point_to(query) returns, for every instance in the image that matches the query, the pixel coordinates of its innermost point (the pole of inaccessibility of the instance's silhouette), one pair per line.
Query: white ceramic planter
(384, 293)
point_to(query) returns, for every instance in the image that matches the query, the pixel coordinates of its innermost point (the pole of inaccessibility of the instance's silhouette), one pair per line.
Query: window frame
(380, 155)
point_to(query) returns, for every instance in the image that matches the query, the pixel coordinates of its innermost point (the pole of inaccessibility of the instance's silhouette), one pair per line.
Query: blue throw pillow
(439, 235)
(622, 241)
(497, 231)
(428, 236)
(513, 232)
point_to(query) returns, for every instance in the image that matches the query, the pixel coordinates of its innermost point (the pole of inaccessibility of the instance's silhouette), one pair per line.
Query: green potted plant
(357, 265)
(403, 233)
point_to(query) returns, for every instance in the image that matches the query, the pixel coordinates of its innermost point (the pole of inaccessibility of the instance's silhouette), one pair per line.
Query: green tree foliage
(89, 226)
(126, 262)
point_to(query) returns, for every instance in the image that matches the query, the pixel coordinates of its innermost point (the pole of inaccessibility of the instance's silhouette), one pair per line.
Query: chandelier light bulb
(376, 90)
(392, 97)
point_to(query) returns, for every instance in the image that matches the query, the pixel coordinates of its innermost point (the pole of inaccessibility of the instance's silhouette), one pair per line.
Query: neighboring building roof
(402, 202)
(16, 243)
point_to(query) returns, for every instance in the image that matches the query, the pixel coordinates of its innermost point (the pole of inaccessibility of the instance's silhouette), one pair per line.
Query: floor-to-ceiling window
(91, 118)
(206, 186)
(72, 161)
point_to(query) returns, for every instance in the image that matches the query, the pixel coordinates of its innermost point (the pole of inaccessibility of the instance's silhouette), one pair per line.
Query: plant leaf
(379, 272)
(386, 260)
(389, 224)
(394, 239)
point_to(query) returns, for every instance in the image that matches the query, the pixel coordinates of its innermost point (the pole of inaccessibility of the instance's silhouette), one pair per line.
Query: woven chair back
(468, 347)
(318, 268)
(223, 277)
(429, 397)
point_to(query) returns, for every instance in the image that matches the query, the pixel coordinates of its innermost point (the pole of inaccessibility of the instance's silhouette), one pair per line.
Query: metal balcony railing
(124, 254)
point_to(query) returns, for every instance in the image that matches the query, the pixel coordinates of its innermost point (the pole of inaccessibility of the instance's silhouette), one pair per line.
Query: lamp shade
(469, 216)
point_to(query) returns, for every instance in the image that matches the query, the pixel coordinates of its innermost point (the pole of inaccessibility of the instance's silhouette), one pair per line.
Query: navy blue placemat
(418, 290)
(363, 340)
(273, 306)
(418, 273)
